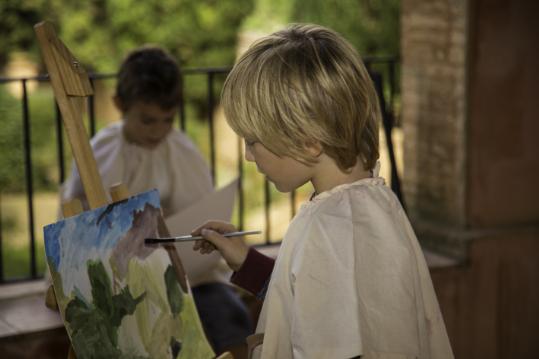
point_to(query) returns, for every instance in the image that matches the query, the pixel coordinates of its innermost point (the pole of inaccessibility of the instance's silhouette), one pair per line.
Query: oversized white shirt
(350, 279)
(174, 167)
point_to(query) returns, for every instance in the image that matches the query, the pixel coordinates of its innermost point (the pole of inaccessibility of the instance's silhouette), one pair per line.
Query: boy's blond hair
(302, 85)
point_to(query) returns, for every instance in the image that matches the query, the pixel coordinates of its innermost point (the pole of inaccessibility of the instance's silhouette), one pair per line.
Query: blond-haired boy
(350, 278)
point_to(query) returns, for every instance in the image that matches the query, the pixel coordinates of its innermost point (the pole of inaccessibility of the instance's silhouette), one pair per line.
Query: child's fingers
(234, 250)
(208, 247)
(203, 246)
(218, 226)
(198, 245)
(213, 238)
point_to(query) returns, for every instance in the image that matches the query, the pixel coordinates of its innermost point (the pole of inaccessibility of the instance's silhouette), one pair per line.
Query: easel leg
(69, 209)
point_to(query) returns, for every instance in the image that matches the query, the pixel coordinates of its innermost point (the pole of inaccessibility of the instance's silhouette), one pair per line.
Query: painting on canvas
(118, 297)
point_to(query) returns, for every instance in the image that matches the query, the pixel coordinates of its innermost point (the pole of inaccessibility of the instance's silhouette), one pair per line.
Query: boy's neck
(328, 175)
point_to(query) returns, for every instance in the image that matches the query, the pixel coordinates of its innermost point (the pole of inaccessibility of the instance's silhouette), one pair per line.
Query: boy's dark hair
(149, 74)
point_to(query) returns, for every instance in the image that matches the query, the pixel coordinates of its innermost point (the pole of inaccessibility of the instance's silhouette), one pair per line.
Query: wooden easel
(71, 85)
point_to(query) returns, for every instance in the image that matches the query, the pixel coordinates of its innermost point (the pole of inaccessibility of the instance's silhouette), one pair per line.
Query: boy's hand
(233, 249)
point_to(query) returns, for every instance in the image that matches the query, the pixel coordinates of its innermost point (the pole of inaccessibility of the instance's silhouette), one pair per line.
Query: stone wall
(470, 118)
(433, 42)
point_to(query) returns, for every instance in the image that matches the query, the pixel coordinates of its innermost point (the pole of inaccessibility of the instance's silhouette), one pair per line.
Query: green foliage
(371, 26)
(269, 15)
(16, 259)
(42, 140)
(11, 160)
(200, 33)
(16, 25)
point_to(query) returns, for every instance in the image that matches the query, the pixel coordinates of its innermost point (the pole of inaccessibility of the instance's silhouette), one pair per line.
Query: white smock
(350, 279)
(174, 167)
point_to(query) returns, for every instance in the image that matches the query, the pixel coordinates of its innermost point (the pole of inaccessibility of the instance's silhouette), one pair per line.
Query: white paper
(216, 205)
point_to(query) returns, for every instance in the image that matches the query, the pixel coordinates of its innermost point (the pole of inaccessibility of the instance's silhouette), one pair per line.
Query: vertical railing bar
(1, 244)
(392, 87)
(293, 204)
(182, 107)
(183, 123)
(267, 204)
(387, 127)
(91, 111)
(241, 197)
(29, 178)
(60, 143)
(212, 128)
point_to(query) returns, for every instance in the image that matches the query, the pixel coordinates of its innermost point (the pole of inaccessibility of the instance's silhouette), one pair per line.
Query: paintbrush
(190, 238)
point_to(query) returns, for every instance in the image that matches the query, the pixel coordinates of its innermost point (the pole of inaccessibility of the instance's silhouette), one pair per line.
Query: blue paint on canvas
(97, 230)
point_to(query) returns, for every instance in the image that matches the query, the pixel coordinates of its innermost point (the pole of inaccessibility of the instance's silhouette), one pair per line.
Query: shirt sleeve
(255, 273)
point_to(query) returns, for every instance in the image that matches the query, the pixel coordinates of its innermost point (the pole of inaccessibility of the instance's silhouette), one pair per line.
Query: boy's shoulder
(360, 196)
(110, 133)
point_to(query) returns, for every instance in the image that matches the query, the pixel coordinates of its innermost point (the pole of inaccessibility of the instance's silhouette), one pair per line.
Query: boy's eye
(249, 143)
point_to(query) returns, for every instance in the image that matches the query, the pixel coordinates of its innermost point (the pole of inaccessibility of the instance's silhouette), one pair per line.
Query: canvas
(118, 297)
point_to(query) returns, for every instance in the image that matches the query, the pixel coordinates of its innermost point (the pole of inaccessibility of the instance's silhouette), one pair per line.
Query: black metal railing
(383, 71)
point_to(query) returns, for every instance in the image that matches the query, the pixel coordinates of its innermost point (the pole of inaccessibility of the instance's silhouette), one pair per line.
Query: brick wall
(469, 114)
(471, 176)
(433, 43)
(433, 100)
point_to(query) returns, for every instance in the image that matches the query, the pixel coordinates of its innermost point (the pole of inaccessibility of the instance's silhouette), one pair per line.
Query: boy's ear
(314, 148)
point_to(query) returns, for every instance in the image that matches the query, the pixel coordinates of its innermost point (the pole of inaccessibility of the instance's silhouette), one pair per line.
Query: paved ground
(28, 329)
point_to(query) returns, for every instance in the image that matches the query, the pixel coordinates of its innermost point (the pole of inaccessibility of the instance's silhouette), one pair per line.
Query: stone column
(470, 117)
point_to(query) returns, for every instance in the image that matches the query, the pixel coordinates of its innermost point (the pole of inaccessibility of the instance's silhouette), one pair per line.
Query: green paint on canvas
(155, 332)
(94, 327)
(174, 294)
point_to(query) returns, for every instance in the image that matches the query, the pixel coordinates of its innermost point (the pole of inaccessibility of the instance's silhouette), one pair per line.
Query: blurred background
(457, 83)
(205, 37)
